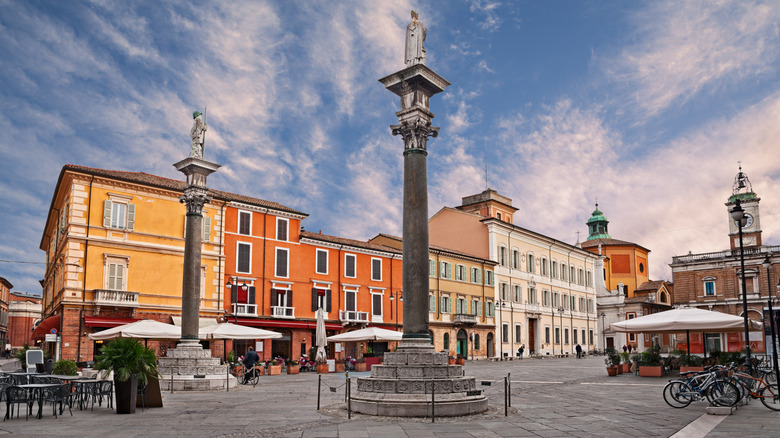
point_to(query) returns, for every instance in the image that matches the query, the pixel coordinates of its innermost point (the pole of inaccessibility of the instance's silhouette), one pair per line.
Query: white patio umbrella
(367, 334)
(227, 330)
(322, 340)
(143, 329)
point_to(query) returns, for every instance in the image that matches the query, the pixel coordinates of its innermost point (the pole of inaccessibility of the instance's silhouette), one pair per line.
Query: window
(709, 286)
(565, 301)
(557, 335)
(566, 335)
(554, 270)
(490, 309)
(574, 336)
(206, 229)
(530, 264)
(573, 302)
(445, 271)
(590, 305)
(588, 279)
(583, 308)
(244, 222)
(488, 278)
(476, 308)
(376, 307)
(349, 265)
(547, 334)
(446, 341)
(376, 269)
(504, 332)
(503, 289)
(579, 277)
(515, 259)
(556, 300)
(475, 275)
(431, 268)
(518, 332)
(476, 341)
(563, 271)
(532, 296)
(502, 255)
(460, 306)
(590, 336)
(544, 266)
(320, 298)
(431, 303)
(350, 300)
(446, 304)
(517, 293)
(116, 273)
(322, 261)
(282, 259)
(119, 214)
(546, 298)
(583, 336)
(572, 273)
(460, 273)
(281, 229)
(244, 258)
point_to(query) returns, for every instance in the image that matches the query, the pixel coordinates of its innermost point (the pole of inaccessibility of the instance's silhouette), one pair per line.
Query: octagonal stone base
(402, 387)
(182, 364)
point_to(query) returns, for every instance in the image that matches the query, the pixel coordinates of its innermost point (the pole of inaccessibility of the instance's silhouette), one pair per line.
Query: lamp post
(398, 294)
(501, 334)
(768, 266)
(230, 285)
(560, 312)
(603, 330)
(738, 215)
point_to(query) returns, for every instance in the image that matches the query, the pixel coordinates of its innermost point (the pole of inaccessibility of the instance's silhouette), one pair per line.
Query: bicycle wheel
(674, 395)
(770, 397)
(254, 378)
(239, 376)
(723, 393)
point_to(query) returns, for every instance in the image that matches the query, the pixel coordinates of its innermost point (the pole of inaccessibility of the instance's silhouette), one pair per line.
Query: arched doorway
(491, 347)
(463, 344)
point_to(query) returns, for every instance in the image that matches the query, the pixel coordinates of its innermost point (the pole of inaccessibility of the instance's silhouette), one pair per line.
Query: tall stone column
(195, 197)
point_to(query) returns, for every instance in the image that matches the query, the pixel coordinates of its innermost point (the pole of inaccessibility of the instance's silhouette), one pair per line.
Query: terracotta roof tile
(350, 242)
(609, 242)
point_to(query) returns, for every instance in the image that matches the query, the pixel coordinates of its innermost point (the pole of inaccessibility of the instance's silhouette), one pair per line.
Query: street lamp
(603, 332)
(560, 312)
(768, 266)
(501, 335)
(244, 287)
(739, 218)
(398, 294)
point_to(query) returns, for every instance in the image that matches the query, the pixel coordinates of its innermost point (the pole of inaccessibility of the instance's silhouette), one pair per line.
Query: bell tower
(742, 190)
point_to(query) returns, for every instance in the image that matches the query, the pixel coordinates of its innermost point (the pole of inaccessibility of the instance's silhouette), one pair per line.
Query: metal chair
(141, 394)
(20, 379)
(15, 395)
(62, 395)
(104, 388)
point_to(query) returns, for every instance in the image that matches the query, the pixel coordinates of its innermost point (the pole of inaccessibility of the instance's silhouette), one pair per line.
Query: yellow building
(461, 301)
(114, 244)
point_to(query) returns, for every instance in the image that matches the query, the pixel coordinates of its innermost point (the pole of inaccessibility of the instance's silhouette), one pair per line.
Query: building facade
(24, 311)
(5, 291)
(544, 289)
(461, 308)
(713, 281)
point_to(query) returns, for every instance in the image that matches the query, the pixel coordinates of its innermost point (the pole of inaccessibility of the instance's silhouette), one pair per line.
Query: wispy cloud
(490, 19)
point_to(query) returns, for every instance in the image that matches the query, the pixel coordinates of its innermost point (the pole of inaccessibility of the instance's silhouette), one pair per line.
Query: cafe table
(85, 389)
(37, 390)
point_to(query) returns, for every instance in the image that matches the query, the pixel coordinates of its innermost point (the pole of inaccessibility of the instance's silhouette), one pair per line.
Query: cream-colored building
(544, 288)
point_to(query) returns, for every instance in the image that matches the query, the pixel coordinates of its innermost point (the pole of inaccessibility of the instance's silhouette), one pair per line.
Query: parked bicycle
(714, 385)
(764, 387)
(245, 376)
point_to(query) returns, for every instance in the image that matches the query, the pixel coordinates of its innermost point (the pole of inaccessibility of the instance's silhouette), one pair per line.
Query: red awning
(286, 324)
(46, 326)
(106, 322)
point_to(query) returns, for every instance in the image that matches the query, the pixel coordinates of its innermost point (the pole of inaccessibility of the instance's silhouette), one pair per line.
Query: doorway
(531, 347)
(463, 344)
(491, 347)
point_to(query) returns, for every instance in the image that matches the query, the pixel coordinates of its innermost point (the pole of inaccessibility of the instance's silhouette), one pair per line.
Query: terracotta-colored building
(5, 290)
(24, 310)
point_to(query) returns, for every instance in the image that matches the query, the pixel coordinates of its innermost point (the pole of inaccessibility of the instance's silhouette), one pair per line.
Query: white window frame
(502, 255)
(489, 278)
(516, 258)
(554, 269)
(373, 271)
(445, 270)
(710, 280)
(354, 265)
(286, 222)
(532, 298)
(431, 303)
(347, 291)
(504, 332)
(317, 261)
(563, 271)
(531, 265)
(503, 291)
(543, 266)
(546, 298)
(518, 333)
(111, 217)
(460, 272)
(432, 268)
(238, 252)
(377, 317)
(244, 213)
(117, 261)
(276, 263)
(476, 275)
(517, 293)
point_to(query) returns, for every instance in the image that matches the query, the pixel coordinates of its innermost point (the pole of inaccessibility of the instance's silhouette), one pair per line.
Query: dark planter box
(126, 393)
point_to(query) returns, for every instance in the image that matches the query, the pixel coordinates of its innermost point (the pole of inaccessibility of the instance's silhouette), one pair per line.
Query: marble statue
(198, 135)
(415, 37)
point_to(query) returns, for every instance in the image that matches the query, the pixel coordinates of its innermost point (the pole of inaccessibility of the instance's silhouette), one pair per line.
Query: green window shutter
(443, 270)
(111, 276)
(206, 229)
(443, 305)
(107, 213)
(130, 217)
(432, 303)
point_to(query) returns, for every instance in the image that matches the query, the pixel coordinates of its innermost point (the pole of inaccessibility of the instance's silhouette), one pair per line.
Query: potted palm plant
(132, 363)
(612, 361)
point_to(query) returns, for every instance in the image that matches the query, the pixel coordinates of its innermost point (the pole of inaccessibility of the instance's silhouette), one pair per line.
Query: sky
(645, 107)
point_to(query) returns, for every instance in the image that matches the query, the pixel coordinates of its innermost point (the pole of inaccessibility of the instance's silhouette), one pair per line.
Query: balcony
(116, 298)
(283, 312)
(353, 317)
(465, 318)
(243, 309)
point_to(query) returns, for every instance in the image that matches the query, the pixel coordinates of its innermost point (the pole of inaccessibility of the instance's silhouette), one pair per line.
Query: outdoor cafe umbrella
(321, 337)
(143, 329)
(367, 334)
(686, 319)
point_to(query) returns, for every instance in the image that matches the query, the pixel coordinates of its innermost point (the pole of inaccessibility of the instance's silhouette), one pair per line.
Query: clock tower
(742, 190)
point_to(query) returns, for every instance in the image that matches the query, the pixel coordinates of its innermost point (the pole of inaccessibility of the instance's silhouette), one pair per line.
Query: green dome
(597, 225)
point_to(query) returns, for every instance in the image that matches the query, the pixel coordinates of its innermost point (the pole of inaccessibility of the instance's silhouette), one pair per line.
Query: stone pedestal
(185, 363)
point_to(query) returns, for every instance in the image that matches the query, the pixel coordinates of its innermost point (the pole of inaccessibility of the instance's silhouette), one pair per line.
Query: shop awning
(202, 322)
(106, 322)
(46, 326)
(287, 324)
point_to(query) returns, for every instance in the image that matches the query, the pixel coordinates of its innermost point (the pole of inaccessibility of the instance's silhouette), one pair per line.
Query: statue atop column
(415, 37)
(198, 135)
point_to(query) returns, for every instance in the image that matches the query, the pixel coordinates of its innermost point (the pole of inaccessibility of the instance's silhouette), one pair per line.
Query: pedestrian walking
(520, 351)
(625, 349)
(578, 349)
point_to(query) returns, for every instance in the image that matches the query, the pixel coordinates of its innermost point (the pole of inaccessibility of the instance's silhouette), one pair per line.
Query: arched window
(446, 342)
(476, 341)
(530, 263)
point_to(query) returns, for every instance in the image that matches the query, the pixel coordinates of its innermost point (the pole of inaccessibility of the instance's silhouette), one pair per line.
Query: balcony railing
(119, 298)
(351, 316)
(465, 318)
(724, 254)
(283, 312)
(241, 309)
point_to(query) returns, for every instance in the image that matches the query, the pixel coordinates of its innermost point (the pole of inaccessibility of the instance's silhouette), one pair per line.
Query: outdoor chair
(15, 395)
(142, 396)
(20, 379)
(3, 386)
(104, 388)
(60, 395)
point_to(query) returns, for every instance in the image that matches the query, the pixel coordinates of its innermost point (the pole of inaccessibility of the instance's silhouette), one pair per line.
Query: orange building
(5, 290)
(24, 310)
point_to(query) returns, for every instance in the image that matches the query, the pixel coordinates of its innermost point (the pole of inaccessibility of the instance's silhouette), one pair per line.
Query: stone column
(195, 196)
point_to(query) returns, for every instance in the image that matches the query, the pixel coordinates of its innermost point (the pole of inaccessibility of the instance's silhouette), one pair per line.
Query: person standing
(578, 349)
(520, 351)
(249, 363)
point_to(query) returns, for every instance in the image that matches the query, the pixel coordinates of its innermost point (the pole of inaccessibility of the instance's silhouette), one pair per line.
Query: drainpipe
(84, 278)
(511, 301)
(220, 280)
(262, 272)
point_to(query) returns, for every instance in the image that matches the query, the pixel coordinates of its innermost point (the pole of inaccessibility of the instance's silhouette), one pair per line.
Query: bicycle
(240, 374)
(698, 386)
(757, 387)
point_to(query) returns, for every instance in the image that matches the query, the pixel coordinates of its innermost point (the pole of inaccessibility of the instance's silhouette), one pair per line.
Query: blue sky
(645, 106)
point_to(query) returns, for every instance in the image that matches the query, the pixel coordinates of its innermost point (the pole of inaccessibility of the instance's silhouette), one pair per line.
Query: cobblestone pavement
(549, 398)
